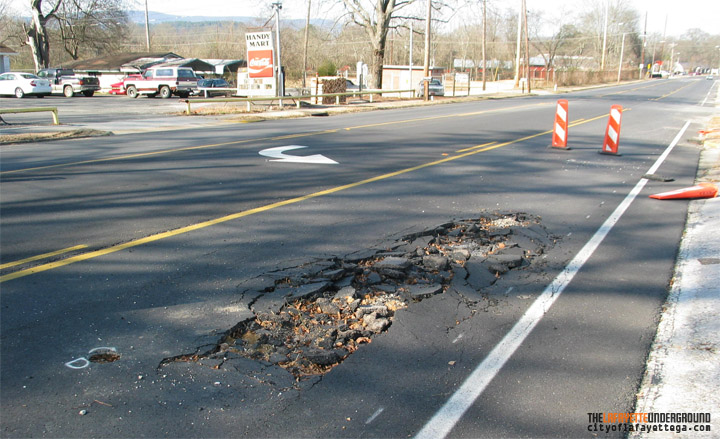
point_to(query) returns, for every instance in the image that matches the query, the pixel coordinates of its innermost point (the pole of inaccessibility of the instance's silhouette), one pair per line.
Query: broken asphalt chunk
(435, 262)
(309, 318)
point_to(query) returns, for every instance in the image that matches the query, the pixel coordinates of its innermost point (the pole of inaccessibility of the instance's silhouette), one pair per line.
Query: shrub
(327, 68)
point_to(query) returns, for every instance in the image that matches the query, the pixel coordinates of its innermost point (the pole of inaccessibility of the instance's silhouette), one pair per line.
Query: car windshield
(28, 76)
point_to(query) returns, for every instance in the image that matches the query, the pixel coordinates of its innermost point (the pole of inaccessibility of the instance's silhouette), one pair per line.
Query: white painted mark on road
(440, 425)
(82, 362)
(78, 363)
(375, 415)
(278, 154)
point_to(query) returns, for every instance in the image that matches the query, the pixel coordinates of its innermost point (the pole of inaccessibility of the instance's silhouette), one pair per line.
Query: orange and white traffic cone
(702, 190)
(612, 132)
(560, 131)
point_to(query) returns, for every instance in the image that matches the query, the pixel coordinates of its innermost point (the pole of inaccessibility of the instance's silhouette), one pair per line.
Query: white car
(20, 84)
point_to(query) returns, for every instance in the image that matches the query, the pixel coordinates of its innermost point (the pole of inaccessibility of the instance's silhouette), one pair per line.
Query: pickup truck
(163, 82)
(67, 82)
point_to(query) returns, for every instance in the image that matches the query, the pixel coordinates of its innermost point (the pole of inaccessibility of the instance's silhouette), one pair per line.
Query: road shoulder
(683, 369)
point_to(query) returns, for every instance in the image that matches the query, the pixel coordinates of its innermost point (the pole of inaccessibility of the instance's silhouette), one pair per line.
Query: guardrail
(296, 99)
(53, 110)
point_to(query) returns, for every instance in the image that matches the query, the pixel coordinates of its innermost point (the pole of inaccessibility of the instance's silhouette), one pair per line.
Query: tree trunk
(378, 60)
(37, 37)
(376, 25)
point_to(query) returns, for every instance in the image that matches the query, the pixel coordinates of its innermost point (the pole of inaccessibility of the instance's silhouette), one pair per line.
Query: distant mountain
(159, 17)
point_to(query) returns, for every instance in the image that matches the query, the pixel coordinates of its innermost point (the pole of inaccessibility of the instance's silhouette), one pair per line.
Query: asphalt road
(163, 229)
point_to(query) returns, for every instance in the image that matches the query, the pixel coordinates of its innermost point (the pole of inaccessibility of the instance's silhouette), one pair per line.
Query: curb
(683, 368)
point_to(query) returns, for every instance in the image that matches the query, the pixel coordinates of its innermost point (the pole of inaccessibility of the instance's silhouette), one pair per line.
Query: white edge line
(707, 96)
(440, 425)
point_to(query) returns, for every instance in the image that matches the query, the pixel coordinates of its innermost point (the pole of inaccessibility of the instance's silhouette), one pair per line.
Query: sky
(681, 14)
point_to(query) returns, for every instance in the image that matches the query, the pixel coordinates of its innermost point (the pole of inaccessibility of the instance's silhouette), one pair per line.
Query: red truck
(163, 82)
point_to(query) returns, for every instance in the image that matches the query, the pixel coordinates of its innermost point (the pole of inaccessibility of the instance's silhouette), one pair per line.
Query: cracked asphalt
(159, 298)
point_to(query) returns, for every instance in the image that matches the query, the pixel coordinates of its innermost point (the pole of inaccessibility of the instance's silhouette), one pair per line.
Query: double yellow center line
(198, 226)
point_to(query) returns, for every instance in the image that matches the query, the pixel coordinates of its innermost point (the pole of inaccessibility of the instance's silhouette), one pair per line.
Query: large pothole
(308, 319)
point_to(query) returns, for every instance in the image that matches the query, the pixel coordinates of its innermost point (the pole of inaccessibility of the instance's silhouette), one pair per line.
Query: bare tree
(4, 21)
(37, 34)
(375, 17)
(622, 19)
(91, 26)
(550, 46)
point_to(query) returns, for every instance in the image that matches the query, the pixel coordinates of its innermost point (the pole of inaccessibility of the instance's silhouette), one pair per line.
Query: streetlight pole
(280, 88)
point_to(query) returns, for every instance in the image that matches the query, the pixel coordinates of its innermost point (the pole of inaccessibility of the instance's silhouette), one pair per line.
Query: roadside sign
(260, 54)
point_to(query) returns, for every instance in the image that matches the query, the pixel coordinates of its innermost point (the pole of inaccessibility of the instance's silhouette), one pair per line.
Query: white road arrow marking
(278, 154)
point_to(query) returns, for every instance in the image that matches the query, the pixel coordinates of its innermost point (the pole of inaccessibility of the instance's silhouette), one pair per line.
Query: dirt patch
(309, 318)
(7, 139)
(711, 134)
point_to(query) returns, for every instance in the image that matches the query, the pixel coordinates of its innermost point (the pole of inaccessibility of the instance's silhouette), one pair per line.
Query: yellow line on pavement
(446, 116)
(672, 92)
(259, 139)
(204, 224)
(654, 84)
(42, 256)
(261, 209)
(128, 156)
(313, 133)
(475, 147)
(583, 121)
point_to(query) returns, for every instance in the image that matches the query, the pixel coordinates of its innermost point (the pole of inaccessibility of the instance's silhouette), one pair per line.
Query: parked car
(209, 88)
(709, 77)
(21, 84)
(69, 83)
(118, 88)
(435, 88)
(163, 81)
(351, 86)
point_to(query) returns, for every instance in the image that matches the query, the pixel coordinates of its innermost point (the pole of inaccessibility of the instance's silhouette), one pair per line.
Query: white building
(5, 54)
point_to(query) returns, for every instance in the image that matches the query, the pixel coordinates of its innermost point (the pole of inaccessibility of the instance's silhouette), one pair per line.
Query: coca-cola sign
(260, 63)
(260, 54)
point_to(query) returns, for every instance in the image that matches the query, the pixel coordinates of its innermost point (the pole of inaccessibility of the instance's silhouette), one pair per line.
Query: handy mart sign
(260, 54)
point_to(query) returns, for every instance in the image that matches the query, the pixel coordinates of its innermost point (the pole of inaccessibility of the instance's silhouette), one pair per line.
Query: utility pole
(410, 55)
(622, 50)
(484, 44)
(426, 69)
(280, 88)
(642, 52)
(672, 56)
(305, 50)
(604, 47)
(147, 28)
(517, 50)
(527, 47)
